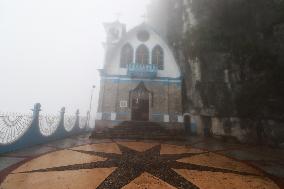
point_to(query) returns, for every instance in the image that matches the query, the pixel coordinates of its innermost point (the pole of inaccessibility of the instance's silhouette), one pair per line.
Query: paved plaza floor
(80, 162)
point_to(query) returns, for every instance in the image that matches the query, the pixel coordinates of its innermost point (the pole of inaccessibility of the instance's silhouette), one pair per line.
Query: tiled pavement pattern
(269, 160)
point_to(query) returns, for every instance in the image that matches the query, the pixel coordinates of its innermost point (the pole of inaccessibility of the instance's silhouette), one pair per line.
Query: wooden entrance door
(187, 124)
(140, 103)
(140, 109)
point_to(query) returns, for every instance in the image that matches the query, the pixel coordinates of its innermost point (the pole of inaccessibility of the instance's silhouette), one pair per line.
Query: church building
(140, 81)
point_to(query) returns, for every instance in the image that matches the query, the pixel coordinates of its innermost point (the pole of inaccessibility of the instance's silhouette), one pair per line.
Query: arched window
(142, 55)
(158, 57)
(126, 55)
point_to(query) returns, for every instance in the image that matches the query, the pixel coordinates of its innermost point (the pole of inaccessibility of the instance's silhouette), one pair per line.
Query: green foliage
(251, 33)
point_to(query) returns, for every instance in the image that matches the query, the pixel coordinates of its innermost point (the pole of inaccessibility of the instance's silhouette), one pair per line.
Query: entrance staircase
(139, 130)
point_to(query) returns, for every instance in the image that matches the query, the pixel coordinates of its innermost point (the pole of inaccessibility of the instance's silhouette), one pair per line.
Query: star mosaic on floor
(127, 163)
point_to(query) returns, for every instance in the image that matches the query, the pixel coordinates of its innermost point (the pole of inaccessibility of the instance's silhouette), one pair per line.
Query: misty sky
(50, 50)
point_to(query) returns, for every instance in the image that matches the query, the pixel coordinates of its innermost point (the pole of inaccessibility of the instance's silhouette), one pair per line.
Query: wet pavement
(80, 162)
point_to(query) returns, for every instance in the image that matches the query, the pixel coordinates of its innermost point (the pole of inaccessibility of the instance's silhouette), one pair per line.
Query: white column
(180, 119)
(113, 116)
(99, 116)
(166, 118)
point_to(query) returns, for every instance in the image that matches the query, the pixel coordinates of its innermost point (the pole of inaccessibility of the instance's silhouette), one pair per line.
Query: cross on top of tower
(118, 15)
(144, 16)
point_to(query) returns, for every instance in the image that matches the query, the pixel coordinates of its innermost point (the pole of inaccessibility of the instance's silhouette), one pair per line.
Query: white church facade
(140, 81)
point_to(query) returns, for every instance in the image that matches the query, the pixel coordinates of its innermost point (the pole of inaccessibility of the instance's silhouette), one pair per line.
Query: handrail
(142, 70)
(19, 131)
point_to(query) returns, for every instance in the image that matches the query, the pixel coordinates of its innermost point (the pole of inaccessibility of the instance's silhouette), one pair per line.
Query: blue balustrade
(142, 70)
(19, 131)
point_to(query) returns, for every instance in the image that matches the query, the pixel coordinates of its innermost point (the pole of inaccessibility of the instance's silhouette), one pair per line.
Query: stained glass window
(158, 57)
(126, 56)
(142, 55)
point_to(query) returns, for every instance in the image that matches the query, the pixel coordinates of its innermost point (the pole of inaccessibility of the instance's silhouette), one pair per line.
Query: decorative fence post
(77, 122)
(77, 114)
(62, 113)
(36, 110)
(88, 118)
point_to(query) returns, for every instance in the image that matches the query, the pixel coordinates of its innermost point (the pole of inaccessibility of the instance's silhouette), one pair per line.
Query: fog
(50, 50)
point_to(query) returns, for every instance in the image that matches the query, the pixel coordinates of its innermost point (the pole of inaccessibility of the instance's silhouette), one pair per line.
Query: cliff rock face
(232, 64)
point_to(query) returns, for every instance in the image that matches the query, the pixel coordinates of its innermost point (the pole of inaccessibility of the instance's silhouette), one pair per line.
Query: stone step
(140, 127)
(149, 137)
(138, 130)
(138, 123)
(139, 134)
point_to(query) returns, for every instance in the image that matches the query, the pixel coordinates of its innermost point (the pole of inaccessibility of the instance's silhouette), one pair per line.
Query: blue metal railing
(20, 131)
(142, 70)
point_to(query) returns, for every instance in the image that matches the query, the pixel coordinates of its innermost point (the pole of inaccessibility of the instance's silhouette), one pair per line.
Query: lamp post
(90, 108)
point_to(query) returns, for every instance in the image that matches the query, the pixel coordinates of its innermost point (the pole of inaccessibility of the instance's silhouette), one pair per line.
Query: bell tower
(114, 31)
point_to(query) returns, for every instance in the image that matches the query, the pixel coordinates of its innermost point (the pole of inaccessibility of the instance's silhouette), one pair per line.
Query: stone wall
(174, 102)
(244, 130)
(108, 97)
(165, 99)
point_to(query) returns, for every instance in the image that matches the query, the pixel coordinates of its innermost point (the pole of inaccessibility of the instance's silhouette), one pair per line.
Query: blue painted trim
(127, 113)
(142, 70)
(122, 113)
(158, 114)
(163, 82)
(125, 77)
